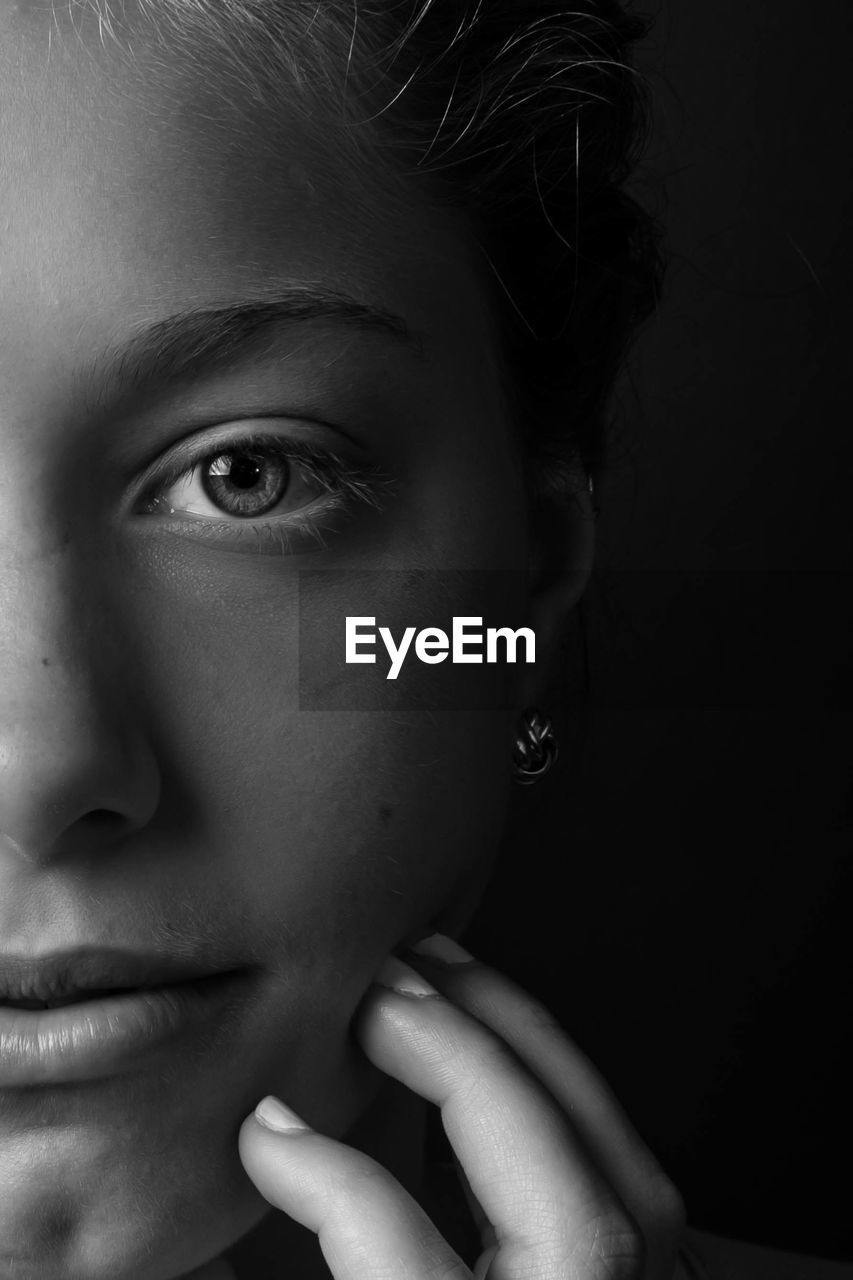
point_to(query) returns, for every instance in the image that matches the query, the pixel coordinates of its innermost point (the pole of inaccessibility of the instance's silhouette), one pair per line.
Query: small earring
(535, 748)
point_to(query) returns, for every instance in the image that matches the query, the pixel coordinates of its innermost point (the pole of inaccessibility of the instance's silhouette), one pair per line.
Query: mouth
(100, 1012)
(60, 978)
(59, 1002)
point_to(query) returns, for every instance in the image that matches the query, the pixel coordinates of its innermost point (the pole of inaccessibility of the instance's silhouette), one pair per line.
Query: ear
(562, 550)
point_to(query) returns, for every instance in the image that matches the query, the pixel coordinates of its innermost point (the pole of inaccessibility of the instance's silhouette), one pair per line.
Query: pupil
(244, 472)
(246, 482)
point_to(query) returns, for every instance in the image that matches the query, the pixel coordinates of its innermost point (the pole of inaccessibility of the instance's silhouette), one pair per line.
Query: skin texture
(173, 769)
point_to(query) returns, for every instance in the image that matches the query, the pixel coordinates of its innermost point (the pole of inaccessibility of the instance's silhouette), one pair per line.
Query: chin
(138, 1200)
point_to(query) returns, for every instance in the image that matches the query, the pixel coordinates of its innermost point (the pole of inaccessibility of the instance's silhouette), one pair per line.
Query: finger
(367, 1223)
(542, 1044)
(552, 1211)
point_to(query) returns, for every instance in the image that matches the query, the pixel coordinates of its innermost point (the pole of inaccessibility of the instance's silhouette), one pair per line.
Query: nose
(77, 772)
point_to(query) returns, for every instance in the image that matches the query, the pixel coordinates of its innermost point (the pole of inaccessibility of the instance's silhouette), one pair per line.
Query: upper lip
(60, 976)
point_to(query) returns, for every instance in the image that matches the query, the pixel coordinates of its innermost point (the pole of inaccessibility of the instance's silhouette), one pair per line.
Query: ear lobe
(561, 560)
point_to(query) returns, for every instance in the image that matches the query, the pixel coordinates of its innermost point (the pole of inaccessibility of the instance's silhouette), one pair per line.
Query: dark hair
(529, 118)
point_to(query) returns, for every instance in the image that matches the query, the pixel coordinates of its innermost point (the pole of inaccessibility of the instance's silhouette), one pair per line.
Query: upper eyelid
(258, 439)
(197, 445)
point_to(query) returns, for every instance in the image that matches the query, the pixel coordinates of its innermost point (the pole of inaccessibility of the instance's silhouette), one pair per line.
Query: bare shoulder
(719, 1259)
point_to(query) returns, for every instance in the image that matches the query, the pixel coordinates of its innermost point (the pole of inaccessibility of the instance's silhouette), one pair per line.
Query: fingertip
(439, 949)
(272, 1160)
(396, 975)
(272, 1113)
(262, 1131)
(379, 1003)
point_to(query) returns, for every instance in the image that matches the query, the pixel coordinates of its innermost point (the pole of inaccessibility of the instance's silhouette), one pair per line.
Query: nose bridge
(70, 746)
(48, 607)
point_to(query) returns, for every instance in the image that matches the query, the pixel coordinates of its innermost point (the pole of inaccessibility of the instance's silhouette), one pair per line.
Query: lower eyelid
(301, 530)
(273, 534)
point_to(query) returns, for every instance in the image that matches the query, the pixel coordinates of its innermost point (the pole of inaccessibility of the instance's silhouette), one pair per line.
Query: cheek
(339, 828)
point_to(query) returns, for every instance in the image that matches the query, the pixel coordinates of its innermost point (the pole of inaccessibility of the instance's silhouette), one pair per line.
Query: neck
(391, 1131)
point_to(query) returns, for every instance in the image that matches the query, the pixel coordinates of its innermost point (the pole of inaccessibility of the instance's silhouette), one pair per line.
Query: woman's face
(186, 764)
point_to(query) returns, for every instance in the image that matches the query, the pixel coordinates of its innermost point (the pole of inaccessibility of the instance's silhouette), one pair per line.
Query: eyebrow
(185, 341)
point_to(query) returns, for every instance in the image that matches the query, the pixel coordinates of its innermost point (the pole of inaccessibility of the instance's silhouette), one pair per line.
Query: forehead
(136, 180)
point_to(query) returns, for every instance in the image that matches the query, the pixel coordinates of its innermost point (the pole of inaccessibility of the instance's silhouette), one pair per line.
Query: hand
(560, 1184)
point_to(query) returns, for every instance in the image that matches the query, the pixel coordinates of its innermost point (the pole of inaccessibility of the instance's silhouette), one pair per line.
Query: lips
(75, 997)
(68, 977)
(102, 1013)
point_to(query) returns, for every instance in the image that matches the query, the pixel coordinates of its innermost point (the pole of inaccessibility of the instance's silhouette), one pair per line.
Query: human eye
(257, 485)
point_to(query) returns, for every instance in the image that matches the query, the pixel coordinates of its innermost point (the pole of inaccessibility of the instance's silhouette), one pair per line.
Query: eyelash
(345, 485)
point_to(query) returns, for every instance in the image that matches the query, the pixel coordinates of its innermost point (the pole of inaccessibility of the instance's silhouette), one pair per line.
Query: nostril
(68, 795)
(94, 829)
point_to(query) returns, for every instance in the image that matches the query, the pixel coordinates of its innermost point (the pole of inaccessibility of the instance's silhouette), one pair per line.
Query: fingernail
(273, 1114)
(443, 949)
(403, 978)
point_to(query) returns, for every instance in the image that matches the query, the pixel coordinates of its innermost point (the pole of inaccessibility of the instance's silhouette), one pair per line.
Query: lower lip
(107, 1035)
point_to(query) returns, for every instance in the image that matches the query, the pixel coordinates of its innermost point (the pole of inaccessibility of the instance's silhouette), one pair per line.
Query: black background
(678, 889)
